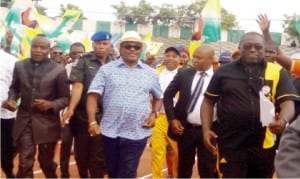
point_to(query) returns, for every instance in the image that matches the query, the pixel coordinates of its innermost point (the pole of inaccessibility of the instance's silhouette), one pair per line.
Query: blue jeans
(123, 156)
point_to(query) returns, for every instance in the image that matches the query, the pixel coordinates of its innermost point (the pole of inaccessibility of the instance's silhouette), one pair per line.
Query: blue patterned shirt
(126, 100)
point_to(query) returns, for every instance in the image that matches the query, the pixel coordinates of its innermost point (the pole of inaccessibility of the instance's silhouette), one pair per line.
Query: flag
(193, 45)
(25, 22)
(207, 28)
(68, 20)
(87, 43)
(297, 24)
(211, 15)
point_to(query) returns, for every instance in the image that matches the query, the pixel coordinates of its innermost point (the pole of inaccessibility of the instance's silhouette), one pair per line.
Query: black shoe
(10, 175)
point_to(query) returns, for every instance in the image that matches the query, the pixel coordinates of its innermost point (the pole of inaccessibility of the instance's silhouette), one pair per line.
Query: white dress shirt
(165, 77)
(7, 64)
(194, 116)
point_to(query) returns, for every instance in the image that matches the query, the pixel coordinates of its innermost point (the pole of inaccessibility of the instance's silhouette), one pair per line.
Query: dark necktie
(196, 93)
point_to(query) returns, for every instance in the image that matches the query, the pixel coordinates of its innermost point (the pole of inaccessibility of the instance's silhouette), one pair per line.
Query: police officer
(88, 150)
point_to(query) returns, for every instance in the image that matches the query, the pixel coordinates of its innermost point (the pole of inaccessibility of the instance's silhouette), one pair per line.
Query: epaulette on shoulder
(86, 55)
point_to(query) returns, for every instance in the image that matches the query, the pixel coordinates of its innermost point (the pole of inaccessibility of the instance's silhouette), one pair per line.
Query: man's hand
(209, 138)
(42, 104)
(10, 105)
(93, 129)
(176, 127)
(150, 121)
(277, 125)
(264, 22)
(67, 116)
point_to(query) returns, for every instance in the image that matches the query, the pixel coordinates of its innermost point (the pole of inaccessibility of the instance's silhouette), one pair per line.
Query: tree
(183, 20)
(167, 14)
(289, 26)
(71, 6)
(5, 3)
(228, 20)
(122, 12)
(41, 9)
(140, 14)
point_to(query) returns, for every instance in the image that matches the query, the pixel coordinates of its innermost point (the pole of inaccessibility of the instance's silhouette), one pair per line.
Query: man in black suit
(43, 89)
(184, 118)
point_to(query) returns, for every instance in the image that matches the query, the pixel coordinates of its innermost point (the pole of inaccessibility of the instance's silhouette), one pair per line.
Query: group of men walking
(110, 107)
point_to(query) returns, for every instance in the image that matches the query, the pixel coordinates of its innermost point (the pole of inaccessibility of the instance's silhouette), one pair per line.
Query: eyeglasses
(249, 46)
(57, 53)
(128, 47)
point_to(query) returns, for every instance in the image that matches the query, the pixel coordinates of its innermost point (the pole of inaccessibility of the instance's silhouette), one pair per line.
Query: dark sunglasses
(57, 53)
(249, 46)
(128, 47)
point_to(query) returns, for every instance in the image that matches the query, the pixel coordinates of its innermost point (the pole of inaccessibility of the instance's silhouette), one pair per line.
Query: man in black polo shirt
(240, 135)
(88, 150)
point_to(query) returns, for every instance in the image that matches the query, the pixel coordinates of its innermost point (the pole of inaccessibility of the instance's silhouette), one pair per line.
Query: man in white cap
(124, 86)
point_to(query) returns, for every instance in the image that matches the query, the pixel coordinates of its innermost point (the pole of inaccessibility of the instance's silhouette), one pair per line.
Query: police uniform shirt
(83, 71)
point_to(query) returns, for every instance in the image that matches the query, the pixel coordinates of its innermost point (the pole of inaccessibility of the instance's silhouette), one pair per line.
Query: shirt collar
(121, 63)
(165, 70)
(95, 58)
(263, 63)
(208, 72)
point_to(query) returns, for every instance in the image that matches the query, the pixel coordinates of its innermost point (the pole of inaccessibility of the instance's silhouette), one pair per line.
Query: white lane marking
(149, 175)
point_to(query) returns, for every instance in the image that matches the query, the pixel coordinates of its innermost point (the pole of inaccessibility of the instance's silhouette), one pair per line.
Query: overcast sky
(246, 11)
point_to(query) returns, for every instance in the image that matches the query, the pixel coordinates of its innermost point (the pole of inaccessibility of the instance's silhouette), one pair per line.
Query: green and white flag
(211, 15)
(297, 24)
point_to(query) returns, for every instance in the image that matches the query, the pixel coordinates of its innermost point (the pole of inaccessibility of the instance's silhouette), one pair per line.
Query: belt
(193, 126)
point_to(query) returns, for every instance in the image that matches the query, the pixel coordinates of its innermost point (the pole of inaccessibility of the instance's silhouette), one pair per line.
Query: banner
(25, 22)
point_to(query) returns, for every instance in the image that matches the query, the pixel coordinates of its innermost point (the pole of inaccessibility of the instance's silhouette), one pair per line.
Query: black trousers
(89, 154)
(27, 149)
(65, 150)
(249, 162)
(8, 149)
(190, 144)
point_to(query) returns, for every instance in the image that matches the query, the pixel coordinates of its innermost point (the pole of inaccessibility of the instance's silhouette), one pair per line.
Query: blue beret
(101, 35)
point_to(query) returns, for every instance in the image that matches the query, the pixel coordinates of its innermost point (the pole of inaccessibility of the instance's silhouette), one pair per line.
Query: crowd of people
(106, 108)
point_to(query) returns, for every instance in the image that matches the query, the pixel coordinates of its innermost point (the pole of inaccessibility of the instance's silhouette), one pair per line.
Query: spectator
(225, 57)
(56, 54)
(293, 44)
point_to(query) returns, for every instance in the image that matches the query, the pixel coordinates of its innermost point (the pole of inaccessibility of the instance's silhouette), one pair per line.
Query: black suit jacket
(47, 81)
(181, 83)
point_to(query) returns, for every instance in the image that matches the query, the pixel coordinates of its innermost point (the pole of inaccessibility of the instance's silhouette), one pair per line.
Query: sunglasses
(128, 47)
(250, 46)
(57, 53)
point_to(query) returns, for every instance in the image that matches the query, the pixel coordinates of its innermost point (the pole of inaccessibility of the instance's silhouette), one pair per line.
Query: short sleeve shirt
(237, 93)
(83, 70)
(126, 98)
